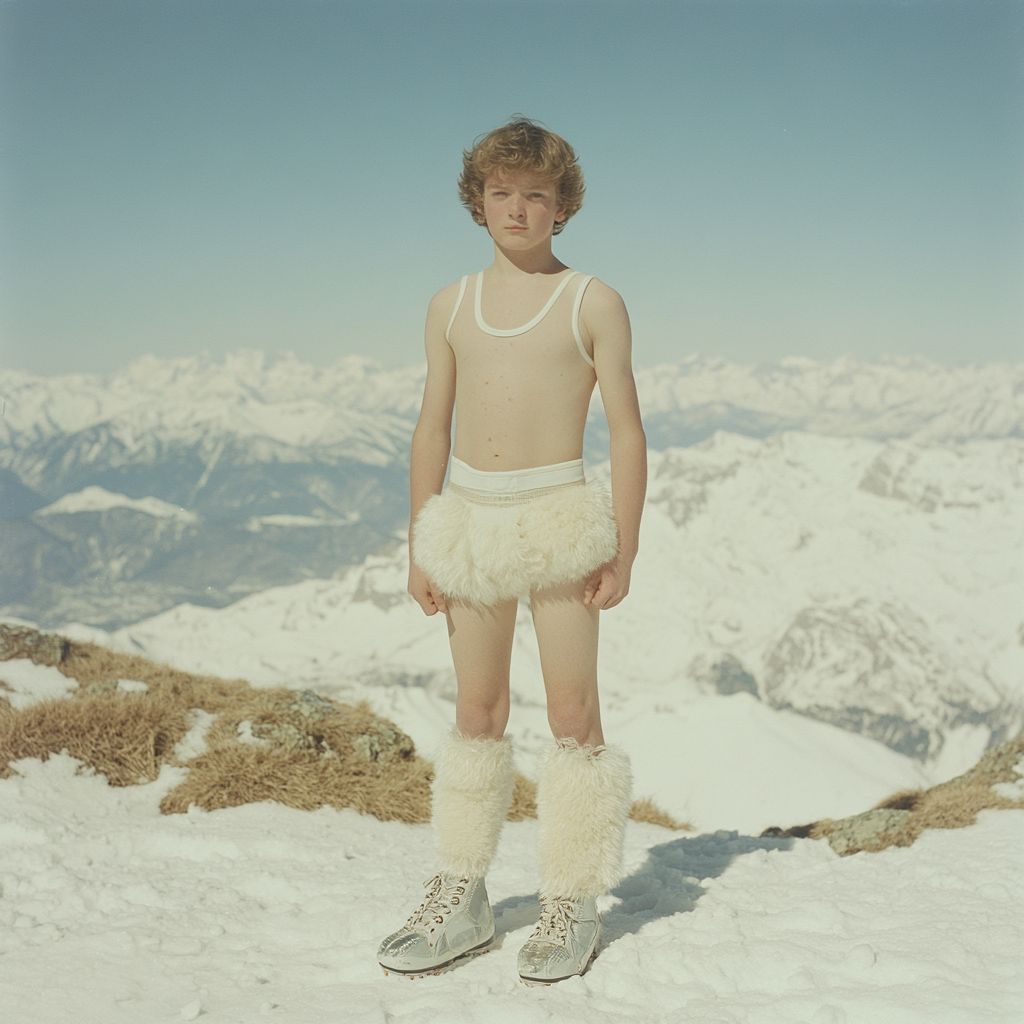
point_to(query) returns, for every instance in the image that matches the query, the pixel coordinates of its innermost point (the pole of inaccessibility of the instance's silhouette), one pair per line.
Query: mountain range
(842, 540)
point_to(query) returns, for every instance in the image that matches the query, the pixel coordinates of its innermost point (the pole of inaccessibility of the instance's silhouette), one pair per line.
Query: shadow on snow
(668, 882)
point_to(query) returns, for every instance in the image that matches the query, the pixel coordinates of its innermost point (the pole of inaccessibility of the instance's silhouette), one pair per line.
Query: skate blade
(436, 972)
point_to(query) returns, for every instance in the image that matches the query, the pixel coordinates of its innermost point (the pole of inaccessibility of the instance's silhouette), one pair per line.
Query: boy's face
(520, 209)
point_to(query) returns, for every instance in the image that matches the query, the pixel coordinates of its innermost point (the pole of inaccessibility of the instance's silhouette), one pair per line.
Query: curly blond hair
(522, 145)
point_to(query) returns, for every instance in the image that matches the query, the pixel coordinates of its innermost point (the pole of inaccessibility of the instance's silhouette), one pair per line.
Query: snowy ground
(112, 912)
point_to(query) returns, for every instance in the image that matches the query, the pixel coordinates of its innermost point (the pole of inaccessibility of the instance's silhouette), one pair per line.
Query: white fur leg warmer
(583, 800)
(473, 781)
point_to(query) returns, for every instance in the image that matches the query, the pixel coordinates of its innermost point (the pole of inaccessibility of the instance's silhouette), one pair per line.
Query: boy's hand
(607, 585)
(423, 591)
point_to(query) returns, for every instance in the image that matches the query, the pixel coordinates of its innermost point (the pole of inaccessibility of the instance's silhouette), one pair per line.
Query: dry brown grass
(957, 807)
(952, 804)
(125, 736)
(524, 799)
(91, 665)
(341, 755)
(309, 752)
(645, 809)
(235, 774)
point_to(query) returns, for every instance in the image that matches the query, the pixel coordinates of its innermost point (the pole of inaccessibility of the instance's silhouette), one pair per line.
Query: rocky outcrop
(867, 831)
(25, 642)
(327, 729)
(995, 781)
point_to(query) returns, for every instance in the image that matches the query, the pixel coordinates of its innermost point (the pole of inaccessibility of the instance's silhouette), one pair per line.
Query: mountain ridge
(861, 569)
(359, 409)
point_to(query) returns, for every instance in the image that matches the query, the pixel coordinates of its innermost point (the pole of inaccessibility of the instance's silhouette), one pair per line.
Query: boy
(516, 351)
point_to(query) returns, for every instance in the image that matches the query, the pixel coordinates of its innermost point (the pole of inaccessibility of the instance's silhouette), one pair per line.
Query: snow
(193, 743)
(112, 912)
(1013, 790)
(354, 407)
(97, 499)
(26, 682)
(733, 762)
(757, 549)
(285, 519)
(131, 686)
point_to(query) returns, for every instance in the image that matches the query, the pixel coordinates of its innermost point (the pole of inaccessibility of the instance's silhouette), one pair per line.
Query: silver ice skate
(454, 920)
(563, 943)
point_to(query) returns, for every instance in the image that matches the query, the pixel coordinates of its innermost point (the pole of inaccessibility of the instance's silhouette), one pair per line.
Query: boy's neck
(540, 260)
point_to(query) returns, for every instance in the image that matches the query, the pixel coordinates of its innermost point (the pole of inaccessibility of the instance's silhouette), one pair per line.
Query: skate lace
(556, 917)
(442, 895)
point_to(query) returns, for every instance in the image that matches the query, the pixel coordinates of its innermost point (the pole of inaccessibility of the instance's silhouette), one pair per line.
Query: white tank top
(513, 332)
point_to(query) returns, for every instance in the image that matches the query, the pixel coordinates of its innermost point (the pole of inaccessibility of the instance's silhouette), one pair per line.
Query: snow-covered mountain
(354, 408)
(895, 611)
(842, 540)
(769, 568)
(913, 399)
(249, 434)
(275, 407)
(256, 450)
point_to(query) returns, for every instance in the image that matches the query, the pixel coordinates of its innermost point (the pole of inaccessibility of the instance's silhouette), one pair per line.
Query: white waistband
(510, 480)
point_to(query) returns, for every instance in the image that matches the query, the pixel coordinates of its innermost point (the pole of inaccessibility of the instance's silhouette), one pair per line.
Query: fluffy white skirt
(483, 554)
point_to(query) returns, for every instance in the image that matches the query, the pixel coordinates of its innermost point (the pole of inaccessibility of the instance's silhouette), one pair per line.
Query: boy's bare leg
(583, 793)
(567, 636)
(481, 643)
(473, 784)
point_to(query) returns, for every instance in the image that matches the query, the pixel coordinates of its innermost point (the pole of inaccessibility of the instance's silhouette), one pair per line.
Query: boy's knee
(574, 717)
(482, 717)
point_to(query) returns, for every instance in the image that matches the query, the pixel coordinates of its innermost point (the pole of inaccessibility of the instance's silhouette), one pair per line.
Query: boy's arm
(432, 438)
(603, 317)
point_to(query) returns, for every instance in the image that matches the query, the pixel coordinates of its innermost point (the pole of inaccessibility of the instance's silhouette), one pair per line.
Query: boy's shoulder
(448, 294)
(601, 300)
(601, 292)
(442, 304)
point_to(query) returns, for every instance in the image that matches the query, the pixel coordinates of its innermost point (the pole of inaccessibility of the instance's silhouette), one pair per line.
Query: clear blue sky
(764, 179)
